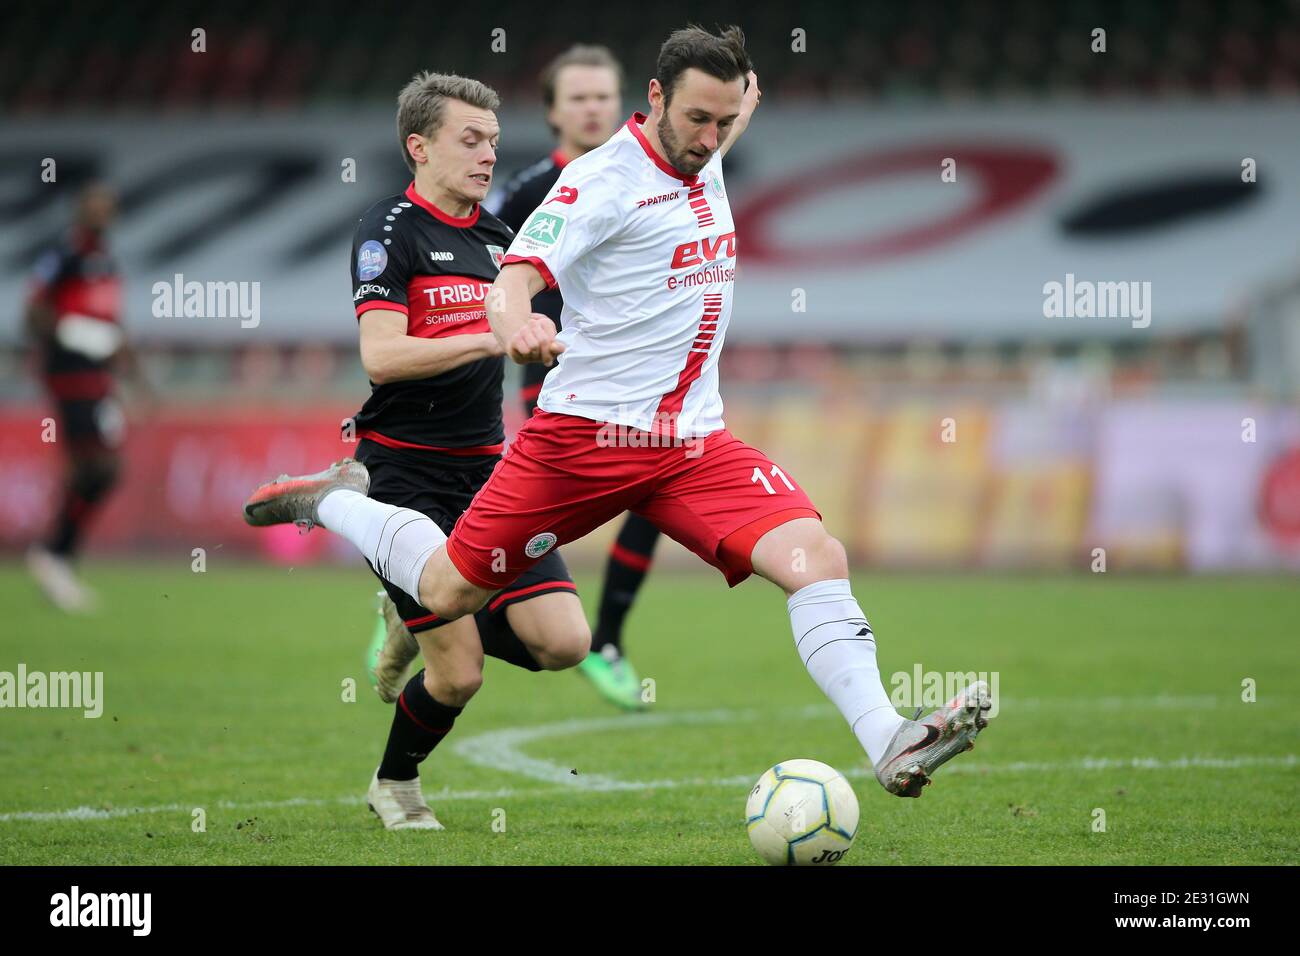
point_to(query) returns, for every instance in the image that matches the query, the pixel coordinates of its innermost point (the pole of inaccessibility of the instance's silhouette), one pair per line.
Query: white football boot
(59, 582)
(291, 499)
(920, 746)
(400, 805)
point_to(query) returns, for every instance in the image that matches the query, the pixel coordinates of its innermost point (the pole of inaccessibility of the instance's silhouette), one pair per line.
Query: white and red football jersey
(645, 259)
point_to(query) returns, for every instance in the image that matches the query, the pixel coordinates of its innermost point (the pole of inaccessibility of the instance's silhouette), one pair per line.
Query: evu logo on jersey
(699, 251)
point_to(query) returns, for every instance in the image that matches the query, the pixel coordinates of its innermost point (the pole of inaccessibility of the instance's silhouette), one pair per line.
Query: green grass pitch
(224, 691)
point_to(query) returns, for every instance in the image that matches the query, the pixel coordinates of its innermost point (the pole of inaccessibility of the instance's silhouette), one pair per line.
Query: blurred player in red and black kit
(73, 314)
(582, 92)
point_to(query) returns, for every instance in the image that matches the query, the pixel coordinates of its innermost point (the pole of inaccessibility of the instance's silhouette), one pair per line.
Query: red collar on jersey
(463, 222)
(558, 159)
(634, 124)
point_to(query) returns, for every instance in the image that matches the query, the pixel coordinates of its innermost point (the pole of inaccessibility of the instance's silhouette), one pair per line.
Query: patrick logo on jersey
(446, 305)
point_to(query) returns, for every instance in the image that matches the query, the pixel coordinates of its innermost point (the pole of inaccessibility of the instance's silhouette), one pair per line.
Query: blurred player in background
(582, 92)
(73, 318)
(431, 431)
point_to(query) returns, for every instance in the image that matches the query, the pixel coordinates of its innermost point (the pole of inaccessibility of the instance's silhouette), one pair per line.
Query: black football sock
(501, 642)
(419, 724)
(66, 536)
(88, 485)
(629, 561)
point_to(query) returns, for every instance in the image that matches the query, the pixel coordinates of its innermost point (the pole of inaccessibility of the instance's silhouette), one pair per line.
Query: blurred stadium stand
(289, 57)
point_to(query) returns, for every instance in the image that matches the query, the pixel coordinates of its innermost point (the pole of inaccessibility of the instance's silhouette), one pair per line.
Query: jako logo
(103, 909)
(698, 252)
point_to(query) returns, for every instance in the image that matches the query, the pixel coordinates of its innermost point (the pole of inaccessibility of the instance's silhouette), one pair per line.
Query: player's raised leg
(838, 647)
(403, 546)
(736, 509)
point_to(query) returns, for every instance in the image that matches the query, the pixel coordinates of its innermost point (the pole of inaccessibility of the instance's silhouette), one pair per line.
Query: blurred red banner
(185, 476)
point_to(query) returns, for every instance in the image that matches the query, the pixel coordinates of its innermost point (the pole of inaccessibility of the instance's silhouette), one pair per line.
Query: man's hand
(747, 106)
(535, 341)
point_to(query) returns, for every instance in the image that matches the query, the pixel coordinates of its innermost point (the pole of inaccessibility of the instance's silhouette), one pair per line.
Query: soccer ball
(802, 813)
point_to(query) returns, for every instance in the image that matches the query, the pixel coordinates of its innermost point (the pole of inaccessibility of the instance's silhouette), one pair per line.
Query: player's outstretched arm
(525, 335)
(388, 354)
(747, 107)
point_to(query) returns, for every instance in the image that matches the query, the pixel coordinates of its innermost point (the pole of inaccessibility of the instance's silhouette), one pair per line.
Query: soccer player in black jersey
(73, 319)
(582, 93)
(431, 431)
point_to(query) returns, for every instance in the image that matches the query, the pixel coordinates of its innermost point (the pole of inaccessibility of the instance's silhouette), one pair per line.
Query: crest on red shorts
(539, 544)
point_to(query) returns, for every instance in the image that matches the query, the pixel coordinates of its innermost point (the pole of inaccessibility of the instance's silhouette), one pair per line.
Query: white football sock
(835, 643)
(397, 542)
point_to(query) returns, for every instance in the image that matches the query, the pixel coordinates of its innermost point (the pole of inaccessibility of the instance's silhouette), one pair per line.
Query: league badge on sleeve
(372, 259)
(541, 231)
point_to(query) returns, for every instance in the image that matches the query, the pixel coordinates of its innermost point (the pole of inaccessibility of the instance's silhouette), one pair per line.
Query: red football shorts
(564, 476)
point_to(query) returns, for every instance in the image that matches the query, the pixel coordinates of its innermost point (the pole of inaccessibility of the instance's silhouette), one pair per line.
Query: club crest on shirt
(715, 184)
(497, 253)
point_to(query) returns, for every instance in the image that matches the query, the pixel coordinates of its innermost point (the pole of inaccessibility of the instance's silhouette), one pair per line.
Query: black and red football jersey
(78, 279)
(409, 256)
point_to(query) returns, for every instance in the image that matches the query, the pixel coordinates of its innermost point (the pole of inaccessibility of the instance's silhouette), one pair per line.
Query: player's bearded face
(698, 119)
(680, 158)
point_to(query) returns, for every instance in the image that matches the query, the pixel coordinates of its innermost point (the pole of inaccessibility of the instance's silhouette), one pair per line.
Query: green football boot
(614, 678)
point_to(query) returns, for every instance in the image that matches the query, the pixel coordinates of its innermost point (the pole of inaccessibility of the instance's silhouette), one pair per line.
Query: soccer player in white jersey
(638, 237)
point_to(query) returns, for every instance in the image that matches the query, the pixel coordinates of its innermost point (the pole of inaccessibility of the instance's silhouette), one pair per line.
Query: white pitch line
(499, 750)
(740, 781)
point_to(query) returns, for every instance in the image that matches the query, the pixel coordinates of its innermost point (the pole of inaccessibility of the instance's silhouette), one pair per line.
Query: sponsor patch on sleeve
(372, 259)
